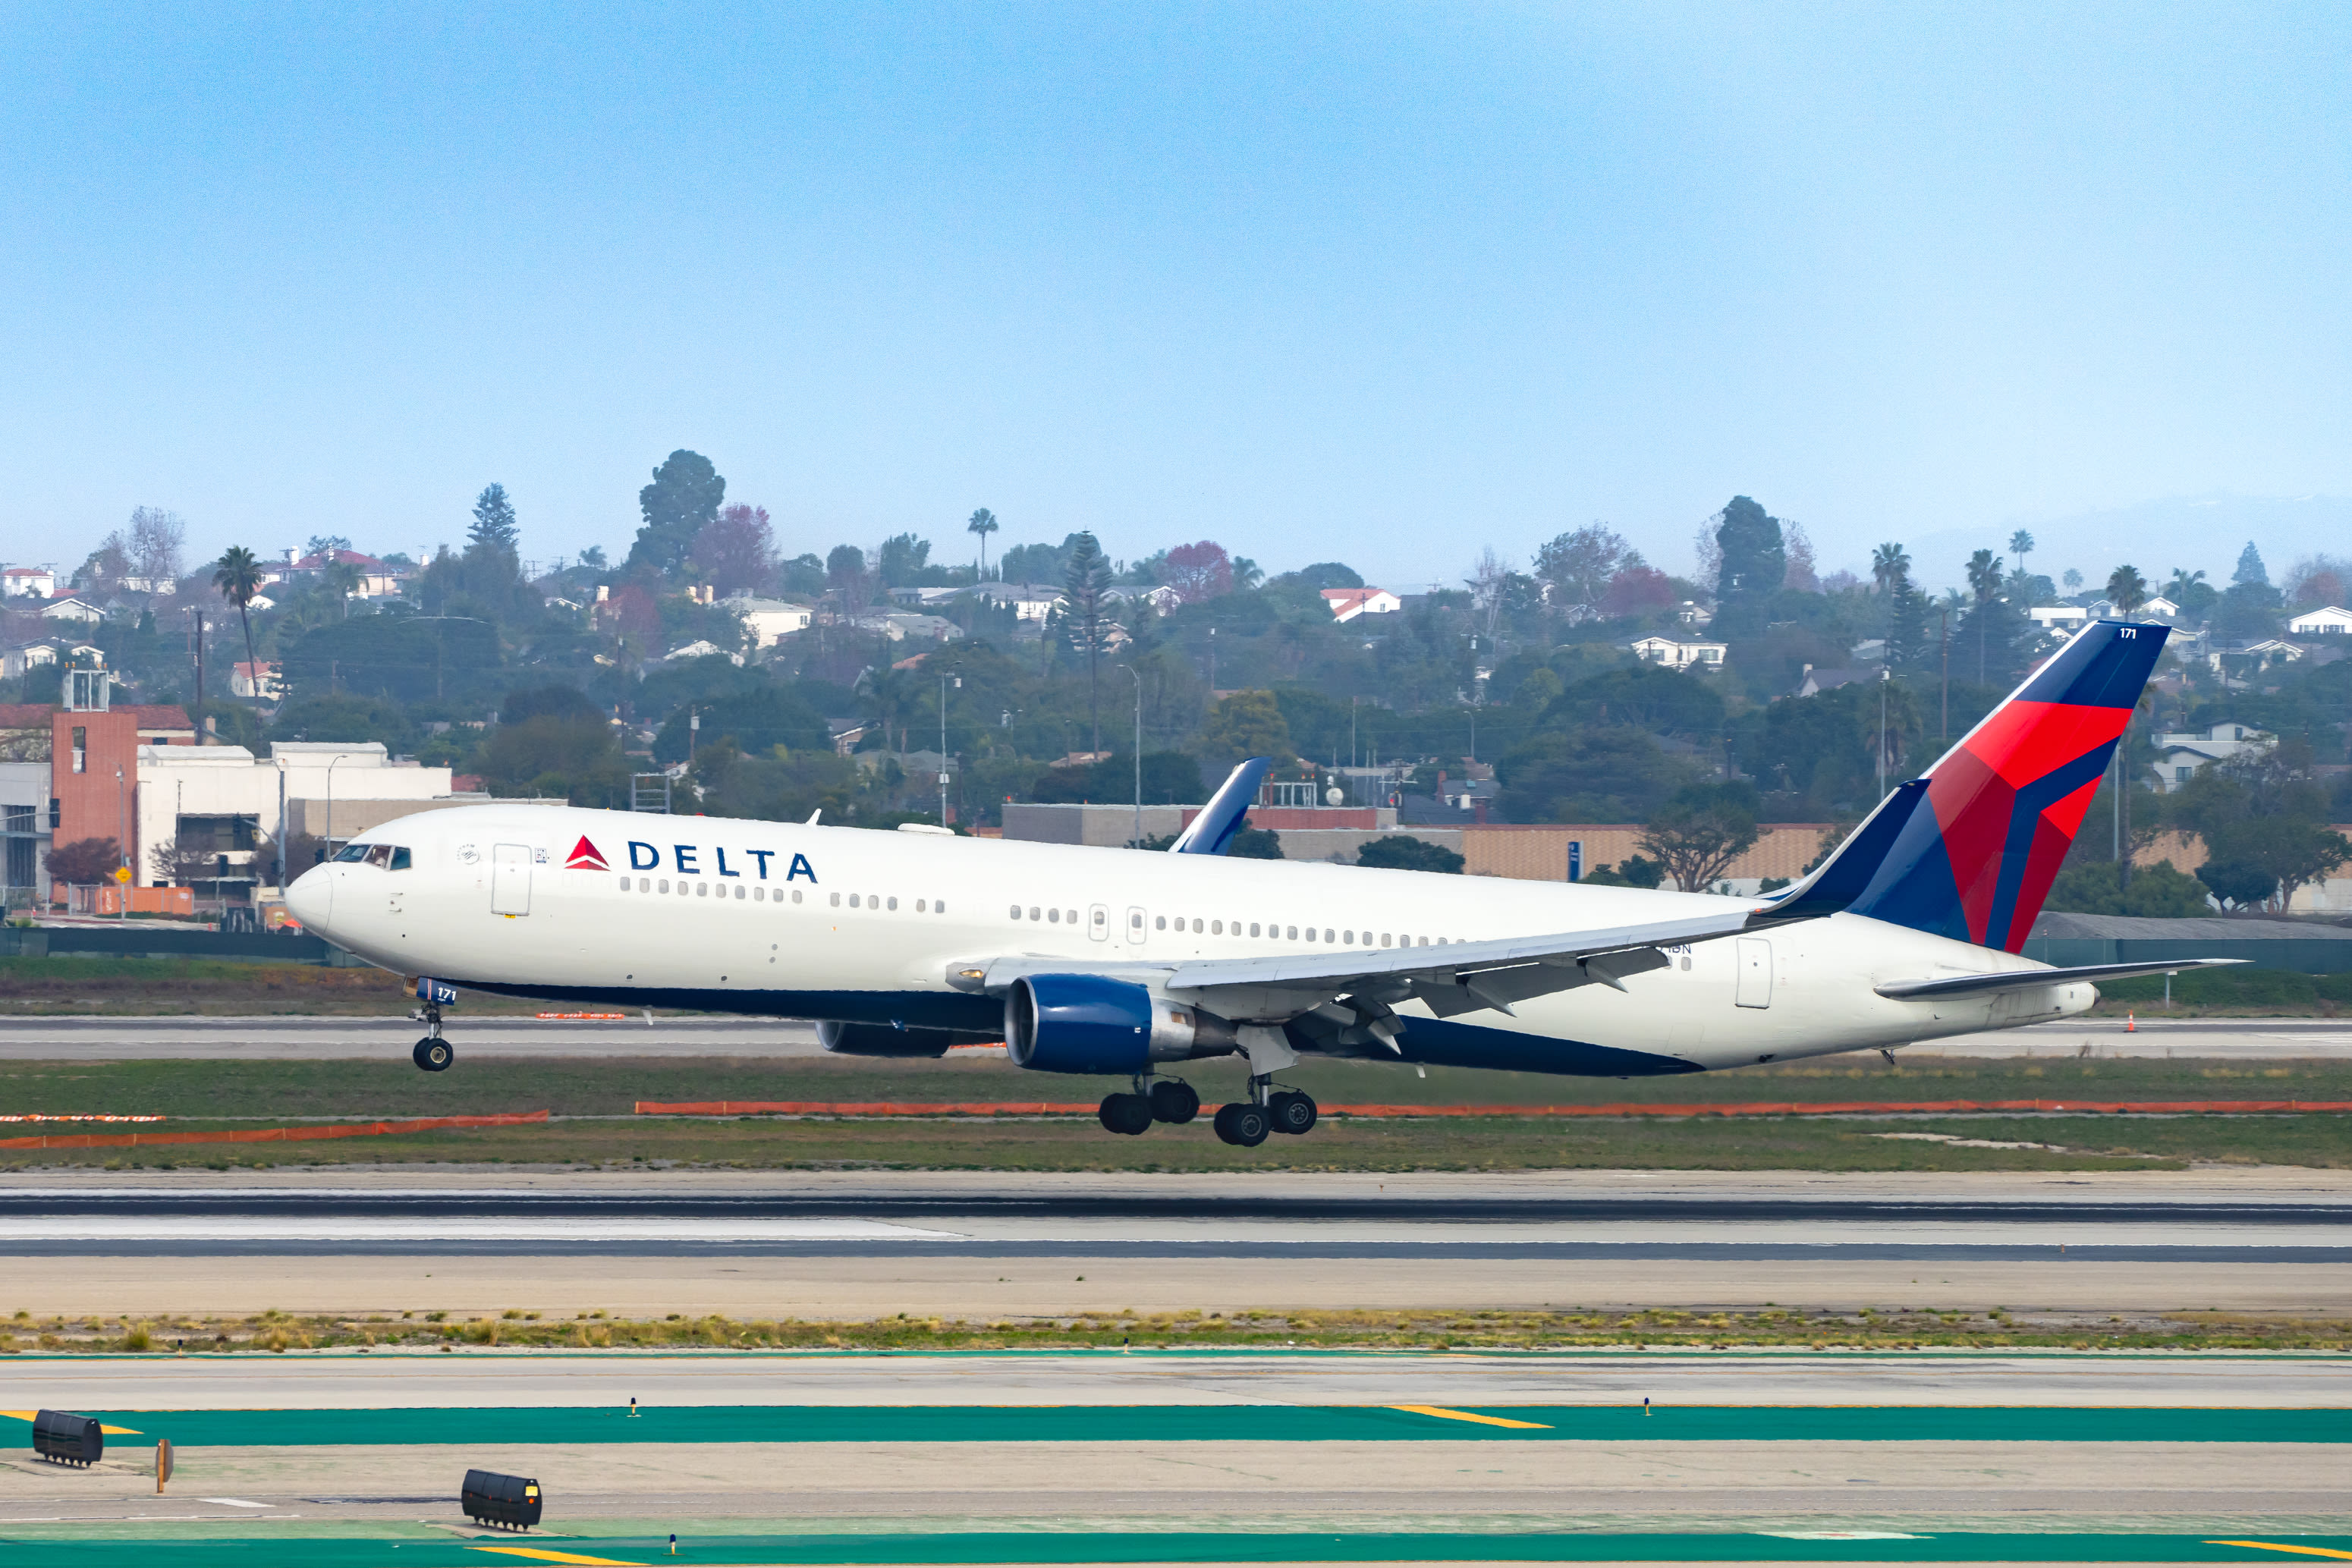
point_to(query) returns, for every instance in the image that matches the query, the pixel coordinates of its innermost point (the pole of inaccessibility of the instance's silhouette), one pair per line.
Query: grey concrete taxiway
(166, 1038)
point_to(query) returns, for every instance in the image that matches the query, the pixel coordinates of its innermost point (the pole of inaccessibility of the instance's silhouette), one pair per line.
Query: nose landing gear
(432, 1053)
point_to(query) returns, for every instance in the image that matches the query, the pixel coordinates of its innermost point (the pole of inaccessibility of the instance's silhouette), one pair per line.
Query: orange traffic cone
(2131, 1023)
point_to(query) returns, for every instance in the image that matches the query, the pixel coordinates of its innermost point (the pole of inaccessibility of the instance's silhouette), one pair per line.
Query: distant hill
(2203, 531)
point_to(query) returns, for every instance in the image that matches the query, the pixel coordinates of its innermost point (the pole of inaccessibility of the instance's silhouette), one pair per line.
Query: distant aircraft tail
(1969, 849)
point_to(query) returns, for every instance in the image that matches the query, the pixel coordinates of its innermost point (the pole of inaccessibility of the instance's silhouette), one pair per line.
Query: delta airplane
(1113, 962)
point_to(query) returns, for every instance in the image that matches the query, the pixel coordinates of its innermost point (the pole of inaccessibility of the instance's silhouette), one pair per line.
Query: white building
(2059, 617)
(2331, 622)
(256, 680)
(770, 621)
(1678, 656)
(697, 650)
(72, 609)
(33, 582)
(2179, 755)
(1347, 603)
(2252, 656)
(27, 657)
(1029, 603)
(224, 796)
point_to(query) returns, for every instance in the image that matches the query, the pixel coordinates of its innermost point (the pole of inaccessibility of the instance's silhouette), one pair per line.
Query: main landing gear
(432, 1053)
(1244, 1124)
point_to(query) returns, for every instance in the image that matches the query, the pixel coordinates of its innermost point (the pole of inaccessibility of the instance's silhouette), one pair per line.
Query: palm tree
(2184, 583)
(1889, 564)
(2126, 591)
(984, 523)
(238, 577)
(1984, 581)
(2020, 545)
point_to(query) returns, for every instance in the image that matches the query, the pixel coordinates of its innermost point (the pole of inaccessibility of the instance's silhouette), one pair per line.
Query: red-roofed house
(1347, 603)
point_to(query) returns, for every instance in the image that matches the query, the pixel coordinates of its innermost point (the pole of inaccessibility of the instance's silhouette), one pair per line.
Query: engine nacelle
(889, 1039)
(1091, 1023)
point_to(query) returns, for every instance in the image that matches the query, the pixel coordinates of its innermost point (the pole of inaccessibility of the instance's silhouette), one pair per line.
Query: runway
(177, 1038)
(855, 1245)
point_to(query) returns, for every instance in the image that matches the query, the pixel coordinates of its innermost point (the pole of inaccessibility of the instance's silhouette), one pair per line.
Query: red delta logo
(585, 858)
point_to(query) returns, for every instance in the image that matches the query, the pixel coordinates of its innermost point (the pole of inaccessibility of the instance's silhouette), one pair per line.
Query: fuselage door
(1099, 922)
(1136, 925)
(510, 879)
(1754, 959)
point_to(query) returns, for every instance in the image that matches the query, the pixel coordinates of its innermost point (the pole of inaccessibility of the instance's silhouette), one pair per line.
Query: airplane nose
(312, 897)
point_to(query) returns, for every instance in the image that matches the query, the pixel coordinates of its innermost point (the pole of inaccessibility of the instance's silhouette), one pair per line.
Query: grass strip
(1402, 1329)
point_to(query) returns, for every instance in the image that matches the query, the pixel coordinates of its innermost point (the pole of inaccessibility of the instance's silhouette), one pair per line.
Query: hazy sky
(1380, 282)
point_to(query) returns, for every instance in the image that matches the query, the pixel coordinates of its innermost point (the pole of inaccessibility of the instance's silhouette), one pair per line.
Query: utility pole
(1945, 632)
(1885, 676)
(123, 842)
(1137, 677)
(944, 679)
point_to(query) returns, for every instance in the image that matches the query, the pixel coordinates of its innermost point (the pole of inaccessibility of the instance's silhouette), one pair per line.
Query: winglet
(1838, 880)
(1221, 819)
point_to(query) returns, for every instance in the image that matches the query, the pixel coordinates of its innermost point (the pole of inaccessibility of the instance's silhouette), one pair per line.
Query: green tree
(85, 862)
(683, 500)
(1247, 723)
(902, 560)
(1597, 773)
(2095, 887)
(1984, 581)
(1700, 831)
(238, 576)
(984, 523)
(1254, 844)
(1086, 582)
(494, 526)
(1755, 564)
(1402, 851)
(2127, 591)
(2020, 545)
(1578, 565)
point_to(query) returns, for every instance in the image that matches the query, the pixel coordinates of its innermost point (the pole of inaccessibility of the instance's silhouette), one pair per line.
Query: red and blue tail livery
(1968, 850)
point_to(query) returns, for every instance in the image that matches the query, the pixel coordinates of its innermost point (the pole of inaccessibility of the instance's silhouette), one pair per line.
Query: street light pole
(121, 843)
(330, 837)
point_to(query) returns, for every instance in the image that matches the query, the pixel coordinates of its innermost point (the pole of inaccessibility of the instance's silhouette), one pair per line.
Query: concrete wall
(1539, 853)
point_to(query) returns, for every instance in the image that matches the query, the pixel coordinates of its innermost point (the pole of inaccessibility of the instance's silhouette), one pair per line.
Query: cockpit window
(379, 856)
(353, 853)
(383, 857)
(399, 859)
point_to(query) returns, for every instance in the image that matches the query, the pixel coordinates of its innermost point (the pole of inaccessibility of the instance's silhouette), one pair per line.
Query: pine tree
(494, 521)
(2250, 570)
(1086, 579)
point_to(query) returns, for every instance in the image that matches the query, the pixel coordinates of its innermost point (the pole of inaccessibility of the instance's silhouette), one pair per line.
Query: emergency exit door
(1755, 958)
(510, 879)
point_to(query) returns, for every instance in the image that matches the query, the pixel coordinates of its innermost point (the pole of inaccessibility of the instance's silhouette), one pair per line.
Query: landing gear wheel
(1173, 1100)
(1292, 1111)
(432, 1054)
(1126, 1114)
(1242, 1124)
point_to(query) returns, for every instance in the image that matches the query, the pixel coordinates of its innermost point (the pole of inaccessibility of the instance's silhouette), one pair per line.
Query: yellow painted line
(102, 1427)
(1444, 1414)
(540, 1555)
(2276, 1546)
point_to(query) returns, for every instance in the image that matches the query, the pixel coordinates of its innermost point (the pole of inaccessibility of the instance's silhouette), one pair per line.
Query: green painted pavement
(1227, 1423)
(1157, 1546)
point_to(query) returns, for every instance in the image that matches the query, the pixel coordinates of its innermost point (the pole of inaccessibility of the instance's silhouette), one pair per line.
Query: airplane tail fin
(1969, 849)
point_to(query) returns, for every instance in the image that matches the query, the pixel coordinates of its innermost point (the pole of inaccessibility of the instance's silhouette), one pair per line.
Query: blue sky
(1378, 283)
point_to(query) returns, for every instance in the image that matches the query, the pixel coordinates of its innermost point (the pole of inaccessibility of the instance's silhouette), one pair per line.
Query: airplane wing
(1452, 978)
(2033, 979)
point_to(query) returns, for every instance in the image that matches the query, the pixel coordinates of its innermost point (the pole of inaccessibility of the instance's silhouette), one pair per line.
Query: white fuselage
(784, 919)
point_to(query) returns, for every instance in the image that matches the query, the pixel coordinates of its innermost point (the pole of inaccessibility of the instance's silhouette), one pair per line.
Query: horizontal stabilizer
(2034, 979)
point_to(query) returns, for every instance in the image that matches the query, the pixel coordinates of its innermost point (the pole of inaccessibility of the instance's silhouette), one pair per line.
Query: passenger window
(1291, 933)
(1033, 912)
(624, 884)
(853, 901)
(1253, 927)
(939, 906)
(1384, 938)
(894, 902)
(758, 895)
(836, 901)
(1017, 912)
(920, 907)
(1326, 934)
(665, 884)
(1074, 917)
(796, 895)
(1160, 922)
(644, 884)
(1054, 916)
(1216, 928)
